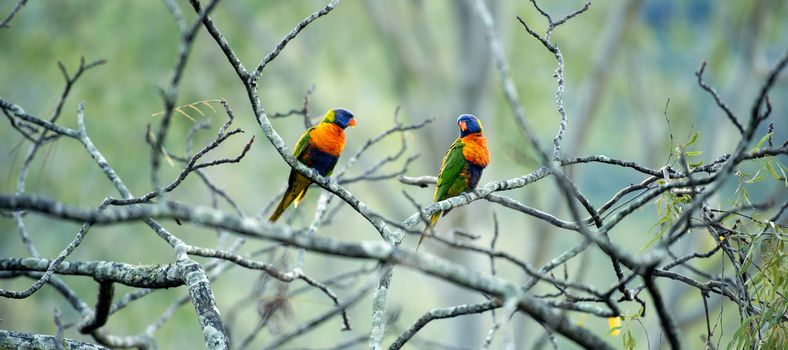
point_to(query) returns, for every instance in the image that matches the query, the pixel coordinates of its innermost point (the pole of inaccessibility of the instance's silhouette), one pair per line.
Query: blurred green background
(624, 60)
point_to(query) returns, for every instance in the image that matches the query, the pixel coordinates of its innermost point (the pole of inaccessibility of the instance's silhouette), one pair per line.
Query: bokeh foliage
(430, 58)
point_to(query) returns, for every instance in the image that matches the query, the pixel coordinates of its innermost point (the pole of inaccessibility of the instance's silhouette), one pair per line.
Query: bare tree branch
(5, 22)
(447, 312)
(16, 340)
(717, 99)
(549, 298)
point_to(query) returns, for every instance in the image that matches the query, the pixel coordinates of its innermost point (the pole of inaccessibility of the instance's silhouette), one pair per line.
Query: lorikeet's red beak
(352, 122)
(463, 127)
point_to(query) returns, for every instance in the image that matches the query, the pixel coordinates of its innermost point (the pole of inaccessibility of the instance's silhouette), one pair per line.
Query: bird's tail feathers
(299, 198)
(428, 228)
(295, 193)
(283, 204)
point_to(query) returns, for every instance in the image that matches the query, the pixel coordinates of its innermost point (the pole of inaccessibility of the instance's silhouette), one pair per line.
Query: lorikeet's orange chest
(475, 149)
(329, 138)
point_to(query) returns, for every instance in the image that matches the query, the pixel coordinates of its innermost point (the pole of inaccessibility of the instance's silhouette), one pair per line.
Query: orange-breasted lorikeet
(318, 148)
(462, 165)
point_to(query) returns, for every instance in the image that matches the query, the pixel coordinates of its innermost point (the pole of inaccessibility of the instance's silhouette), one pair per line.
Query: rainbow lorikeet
(462, 165)
(318, 148)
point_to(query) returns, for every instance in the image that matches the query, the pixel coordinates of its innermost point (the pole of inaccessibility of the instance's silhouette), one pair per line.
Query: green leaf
(757, 278)
(629, 340)
(760, 142)
(767, 315)
(639, 313)
(737, 337)
(656, 238)
(663, 219)
(743, 194)
(757, 178)
(684, 198)
(693, 138)
(772, 170)
(742, 337)
(693, 153)
(658, 203)
(782, 171)
(748, 259)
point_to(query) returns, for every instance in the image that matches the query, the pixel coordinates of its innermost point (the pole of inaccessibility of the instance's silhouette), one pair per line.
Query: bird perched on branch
(318, 148)
(462, 165)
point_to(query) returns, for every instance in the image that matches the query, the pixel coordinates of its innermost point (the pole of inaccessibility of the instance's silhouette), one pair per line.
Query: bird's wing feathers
(301, 145)
(449, 177)
(297, 184)
(302, 148)
(453, 163)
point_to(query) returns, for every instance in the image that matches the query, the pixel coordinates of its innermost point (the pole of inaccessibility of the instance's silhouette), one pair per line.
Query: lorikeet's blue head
(469, 124)
(341, 117)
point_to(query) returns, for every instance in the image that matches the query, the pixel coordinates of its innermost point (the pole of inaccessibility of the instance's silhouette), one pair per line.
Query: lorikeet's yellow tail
(294, 194)
(433, 220)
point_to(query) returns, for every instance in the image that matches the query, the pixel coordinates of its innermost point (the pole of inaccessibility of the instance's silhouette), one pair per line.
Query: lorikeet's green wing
(450, 173)
(449, 179)
(297, 184)
(302, 144)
